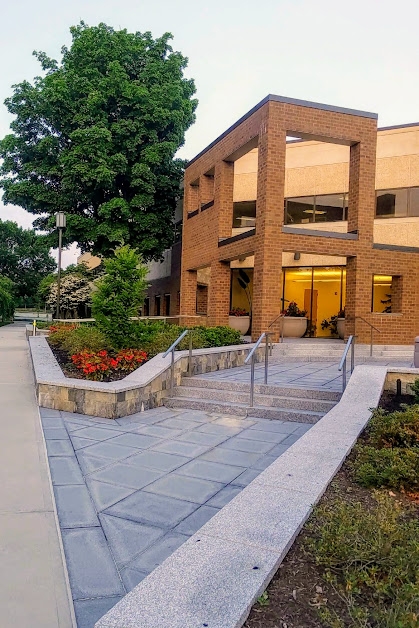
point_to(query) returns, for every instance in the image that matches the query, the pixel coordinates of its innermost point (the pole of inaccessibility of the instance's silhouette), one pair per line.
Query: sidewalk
(33, 590)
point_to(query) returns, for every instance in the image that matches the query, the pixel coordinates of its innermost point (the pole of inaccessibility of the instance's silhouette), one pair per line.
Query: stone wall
(143, 389)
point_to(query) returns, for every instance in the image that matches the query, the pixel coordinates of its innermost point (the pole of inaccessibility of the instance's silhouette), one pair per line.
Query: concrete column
(219, 294)
(223, 197)
(267, 282)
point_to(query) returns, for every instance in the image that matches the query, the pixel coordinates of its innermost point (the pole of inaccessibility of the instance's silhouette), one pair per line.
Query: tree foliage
(7, 299)
(75, 296)
(96, 136)
(24, 258)
(119, 295)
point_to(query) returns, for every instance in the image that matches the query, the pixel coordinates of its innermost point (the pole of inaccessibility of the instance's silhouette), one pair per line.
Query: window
(414, 202)
(147, 306)
(157, 305)
(177, 236)
(382, 288)
(167, 304)
(325, 208)
(244, 214)
(391, 203)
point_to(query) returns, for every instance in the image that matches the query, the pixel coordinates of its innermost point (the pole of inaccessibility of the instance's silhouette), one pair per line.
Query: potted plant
(239, 319)
(294, 321)
(336, 324)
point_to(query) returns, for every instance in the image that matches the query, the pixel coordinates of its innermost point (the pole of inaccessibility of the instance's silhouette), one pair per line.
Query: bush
(58, 333)
(119, 296)
(395, 468)
(7, 299)
(85, 338)
(415, 389)
(371, 556)
(394, 429)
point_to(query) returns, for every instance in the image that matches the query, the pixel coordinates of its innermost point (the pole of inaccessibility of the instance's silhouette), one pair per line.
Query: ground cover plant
(356, 562)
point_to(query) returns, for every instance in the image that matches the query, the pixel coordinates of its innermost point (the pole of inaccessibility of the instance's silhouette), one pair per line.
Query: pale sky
(362, 54)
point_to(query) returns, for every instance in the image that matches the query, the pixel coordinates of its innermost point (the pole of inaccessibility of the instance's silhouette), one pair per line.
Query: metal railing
(372, 331)
(171, 350)
(281, 336)
(252, 357)
(342, 366)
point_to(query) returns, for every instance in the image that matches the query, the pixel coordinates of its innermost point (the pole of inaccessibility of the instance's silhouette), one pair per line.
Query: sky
(361, 54)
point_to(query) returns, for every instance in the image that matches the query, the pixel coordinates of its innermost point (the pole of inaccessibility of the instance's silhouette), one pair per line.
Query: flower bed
(84, 351)
(356, 562)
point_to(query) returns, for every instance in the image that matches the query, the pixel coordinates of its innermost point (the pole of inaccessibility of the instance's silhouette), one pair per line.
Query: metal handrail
(171, 350)
(282, 325)
(372, 328)
(342, 365)
(252, 357)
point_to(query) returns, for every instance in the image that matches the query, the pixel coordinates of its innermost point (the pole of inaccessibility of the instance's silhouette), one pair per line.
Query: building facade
(329, 220)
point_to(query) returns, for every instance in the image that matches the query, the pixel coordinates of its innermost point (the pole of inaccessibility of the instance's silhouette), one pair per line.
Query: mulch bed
(298, 588)
(69, 370)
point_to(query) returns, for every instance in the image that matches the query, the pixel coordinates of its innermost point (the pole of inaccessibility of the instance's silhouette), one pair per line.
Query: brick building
(317, 206)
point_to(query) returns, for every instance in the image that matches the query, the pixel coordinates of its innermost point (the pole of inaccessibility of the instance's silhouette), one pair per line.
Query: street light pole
(60, 223)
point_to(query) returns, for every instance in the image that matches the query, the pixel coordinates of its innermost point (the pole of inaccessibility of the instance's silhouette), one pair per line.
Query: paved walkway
(33, 589)
(129, 492)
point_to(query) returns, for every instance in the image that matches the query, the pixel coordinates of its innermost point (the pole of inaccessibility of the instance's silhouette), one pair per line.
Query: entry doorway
(319, 290)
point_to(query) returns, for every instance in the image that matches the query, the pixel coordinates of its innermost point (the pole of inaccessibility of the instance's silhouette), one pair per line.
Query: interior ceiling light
(313, 211)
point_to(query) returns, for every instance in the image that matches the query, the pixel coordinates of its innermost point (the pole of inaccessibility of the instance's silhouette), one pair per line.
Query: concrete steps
(332, 351)
(270, 402)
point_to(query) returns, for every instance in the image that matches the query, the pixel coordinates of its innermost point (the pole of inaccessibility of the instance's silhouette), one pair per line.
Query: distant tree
(75, 296)
(7, 299)
(24, 259)
(96, 137)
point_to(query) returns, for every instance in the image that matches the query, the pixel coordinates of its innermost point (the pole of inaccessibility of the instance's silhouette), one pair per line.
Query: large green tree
(96, 137)
(24, 258)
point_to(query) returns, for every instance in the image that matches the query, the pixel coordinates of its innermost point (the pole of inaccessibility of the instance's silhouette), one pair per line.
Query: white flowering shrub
(75, 296)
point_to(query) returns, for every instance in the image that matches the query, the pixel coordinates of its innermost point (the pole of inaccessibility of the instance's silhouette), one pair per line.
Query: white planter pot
(341, 327)
(294, 326)
(241, 323)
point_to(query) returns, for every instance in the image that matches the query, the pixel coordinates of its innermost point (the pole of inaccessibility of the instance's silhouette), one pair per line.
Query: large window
(324, 208)
(244, 214)
(382, 290)
(397, 203)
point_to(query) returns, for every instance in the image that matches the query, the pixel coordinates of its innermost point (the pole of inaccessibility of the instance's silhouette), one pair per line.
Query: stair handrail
(252, 358)
(282, 315)
(342, 365)
(372, 331)
(171, 350)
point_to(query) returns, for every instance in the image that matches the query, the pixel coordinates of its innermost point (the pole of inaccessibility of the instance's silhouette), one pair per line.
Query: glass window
(414, 202)
(391, 203)
(147, 306)
(329, 208)
(157, 305)
(167, 304)
(244, 214)
(299, 210)
(381, 293)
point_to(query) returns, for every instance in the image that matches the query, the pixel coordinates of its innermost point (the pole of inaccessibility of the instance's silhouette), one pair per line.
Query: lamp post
(60, 223)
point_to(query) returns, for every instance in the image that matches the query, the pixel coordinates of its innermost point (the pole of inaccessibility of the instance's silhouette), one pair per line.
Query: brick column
(219, 294)
(267, 284)
(188, 293)
(358, 297)
(223, 197)
(361, 206)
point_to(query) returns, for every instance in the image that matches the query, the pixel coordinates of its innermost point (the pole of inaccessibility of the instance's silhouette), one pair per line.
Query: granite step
(242, 409)
(263, 389)
(269, 400)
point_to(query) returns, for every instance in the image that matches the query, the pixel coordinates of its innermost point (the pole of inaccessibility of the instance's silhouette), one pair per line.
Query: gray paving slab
(55, 433)
(180, 423)
(246, 477)
(59, 448)
(138, 441)
(159, 431)
(65, 470)
(158, 552)
(88, 612)
(219, 430)
(158, 510)
(226, 494)
(132, 577)
(109, 449)
(196, 520)
(231, 457)
(185, 488)
(199, 438)
(98, 433)
(80, 443)
(157, 460)
(206, 470)
(190, 450)
(105, 495)
(251, 446)
(126, 475)
(89, 464)
(127, 538)
(91, 568)
(75, 507)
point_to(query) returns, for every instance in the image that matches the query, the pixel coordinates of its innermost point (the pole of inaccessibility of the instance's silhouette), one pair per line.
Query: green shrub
(119, 295)
(85, 338)
(395, 468)
(59, 332)
(415, 389)
(370, 553)
(394, 429)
